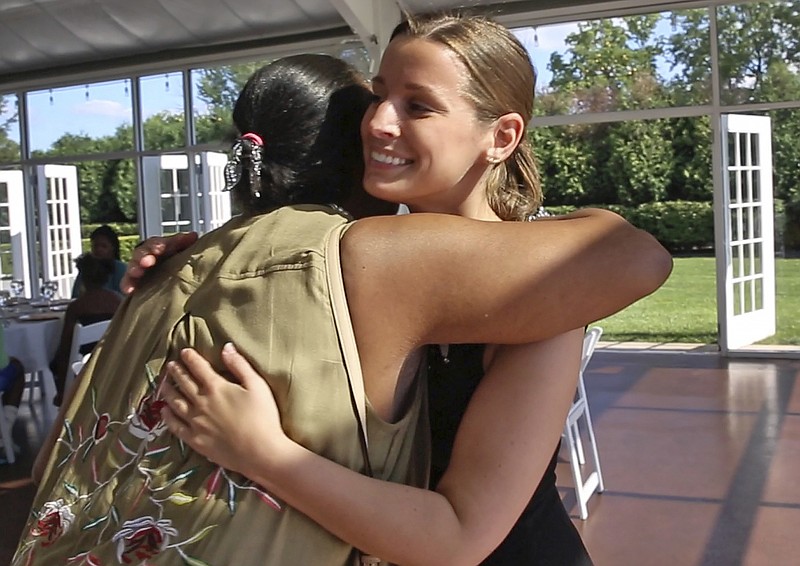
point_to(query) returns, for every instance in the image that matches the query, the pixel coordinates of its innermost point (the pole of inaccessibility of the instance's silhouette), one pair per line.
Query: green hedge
(126, 245)
(121, 228)
(688, 226)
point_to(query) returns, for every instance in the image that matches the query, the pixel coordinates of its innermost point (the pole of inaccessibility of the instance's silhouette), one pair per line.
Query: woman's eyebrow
(378, 80)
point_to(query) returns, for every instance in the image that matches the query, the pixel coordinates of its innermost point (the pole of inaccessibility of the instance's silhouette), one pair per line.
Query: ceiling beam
(373, 22)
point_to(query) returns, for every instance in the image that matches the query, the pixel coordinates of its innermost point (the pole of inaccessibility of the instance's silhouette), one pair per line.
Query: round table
(33, 341)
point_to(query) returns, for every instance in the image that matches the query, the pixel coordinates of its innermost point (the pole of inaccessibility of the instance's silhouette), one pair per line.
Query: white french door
(744, 233)
(183, 192)
(13, 230)
(216, 201)
(59, 224)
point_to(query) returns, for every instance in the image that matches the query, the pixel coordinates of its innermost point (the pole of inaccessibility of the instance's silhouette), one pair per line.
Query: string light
(536, 36)
(166, 82)
(51, 96)
(87, 92)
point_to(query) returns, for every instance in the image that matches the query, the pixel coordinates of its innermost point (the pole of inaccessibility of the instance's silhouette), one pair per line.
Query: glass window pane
(731, 148)
(742, 146)
(162, 111)
(758, 254)
(747, 263)
(9, 129)
(733, 177)
(736, 259)
(214, 92)
(747, 195)
(758, 51)
(736, 234)
(737, 298)
(746, 214)
(747, 301)
(756, 222)
(754, 157)
(758, 292)
(623, 63)
(107, 190)
(755, 183)
(175, 199)
(81, 119)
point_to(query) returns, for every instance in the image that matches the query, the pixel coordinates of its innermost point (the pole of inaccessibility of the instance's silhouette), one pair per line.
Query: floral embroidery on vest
(138, 539)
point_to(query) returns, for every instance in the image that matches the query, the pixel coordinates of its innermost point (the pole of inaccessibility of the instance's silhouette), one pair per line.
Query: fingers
(239, 366)
(175, 424)
(143, 257)
(147, 254)
(176, 401)
(178, 242)
(183, 380)
(197, 370)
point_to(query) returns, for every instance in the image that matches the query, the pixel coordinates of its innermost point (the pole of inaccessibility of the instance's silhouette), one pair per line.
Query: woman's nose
(383, 122)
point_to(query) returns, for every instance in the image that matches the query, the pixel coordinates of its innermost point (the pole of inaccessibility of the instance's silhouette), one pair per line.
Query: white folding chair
(81, 336)
(584, 489)
(5, 434)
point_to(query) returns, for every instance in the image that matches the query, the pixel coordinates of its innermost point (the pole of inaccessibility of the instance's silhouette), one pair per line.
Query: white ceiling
(41, 39)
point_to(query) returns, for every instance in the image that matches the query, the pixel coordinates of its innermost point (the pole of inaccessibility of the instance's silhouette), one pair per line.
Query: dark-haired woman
(95, 303)
(104, 245)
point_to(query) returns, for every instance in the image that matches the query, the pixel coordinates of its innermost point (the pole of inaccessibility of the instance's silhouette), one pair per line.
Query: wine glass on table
(18, 288)
(49, 290)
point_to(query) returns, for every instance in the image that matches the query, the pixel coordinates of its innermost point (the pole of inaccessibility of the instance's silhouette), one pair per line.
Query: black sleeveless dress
(544, 534)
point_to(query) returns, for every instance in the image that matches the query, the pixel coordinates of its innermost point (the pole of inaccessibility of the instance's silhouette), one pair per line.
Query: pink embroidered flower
(146, 422)
(142, 538)
(53, 520)
(101, 427)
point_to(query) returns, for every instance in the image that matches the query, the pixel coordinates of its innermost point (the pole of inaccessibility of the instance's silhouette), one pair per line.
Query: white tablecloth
(33, 343)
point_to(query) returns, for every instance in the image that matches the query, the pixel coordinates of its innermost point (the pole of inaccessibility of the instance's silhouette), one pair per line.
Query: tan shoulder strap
(347, 339)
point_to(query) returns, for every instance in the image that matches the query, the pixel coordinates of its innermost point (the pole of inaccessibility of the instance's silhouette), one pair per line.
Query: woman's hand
(147, 254)
(235, 425)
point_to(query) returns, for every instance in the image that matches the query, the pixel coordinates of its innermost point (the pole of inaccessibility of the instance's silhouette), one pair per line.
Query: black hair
(107, 232)
(94, 272)
(307, 109)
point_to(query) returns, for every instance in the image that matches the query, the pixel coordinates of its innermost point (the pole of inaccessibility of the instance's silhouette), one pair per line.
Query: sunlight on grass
(684, 309)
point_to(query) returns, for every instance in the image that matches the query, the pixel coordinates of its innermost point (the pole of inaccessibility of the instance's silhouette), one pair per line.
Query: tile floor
(700, 456)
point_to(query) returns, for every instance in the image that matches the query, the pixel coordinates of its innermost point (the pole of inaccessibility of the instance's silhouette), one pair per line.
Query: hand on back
(229, 423)
(148, 253)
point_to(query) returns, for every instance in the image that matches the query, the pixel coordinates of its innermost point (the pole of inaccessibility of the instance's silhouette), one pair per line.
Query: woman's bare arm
(503, 445)
(494, 282)
(429, 278)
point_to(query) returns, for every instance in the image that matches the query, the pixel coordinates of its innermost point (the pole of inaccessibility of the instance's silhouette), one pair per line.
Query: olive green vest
(120, 488)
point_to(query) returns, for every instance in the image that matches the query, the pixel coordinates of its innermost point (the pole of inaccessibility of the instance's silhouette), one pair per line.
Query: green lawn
(684, 309)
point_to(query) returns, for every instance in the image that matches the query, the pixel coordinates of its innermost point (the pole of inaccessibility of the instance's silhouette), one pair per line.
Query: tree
(164, 130)
(219, 88)
(759, 57)
(611, 66)
(9, 149)
(608, 63)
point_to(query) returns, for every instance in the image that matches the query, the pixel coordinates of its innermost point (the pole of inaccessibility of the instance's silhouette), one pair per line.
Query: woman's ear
(507, 132)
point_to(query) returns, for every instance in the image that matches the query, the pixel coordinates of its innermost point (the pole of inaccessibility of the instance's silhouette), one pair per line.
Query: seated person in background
(97, 302)
(12, 384)
(105, 246)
